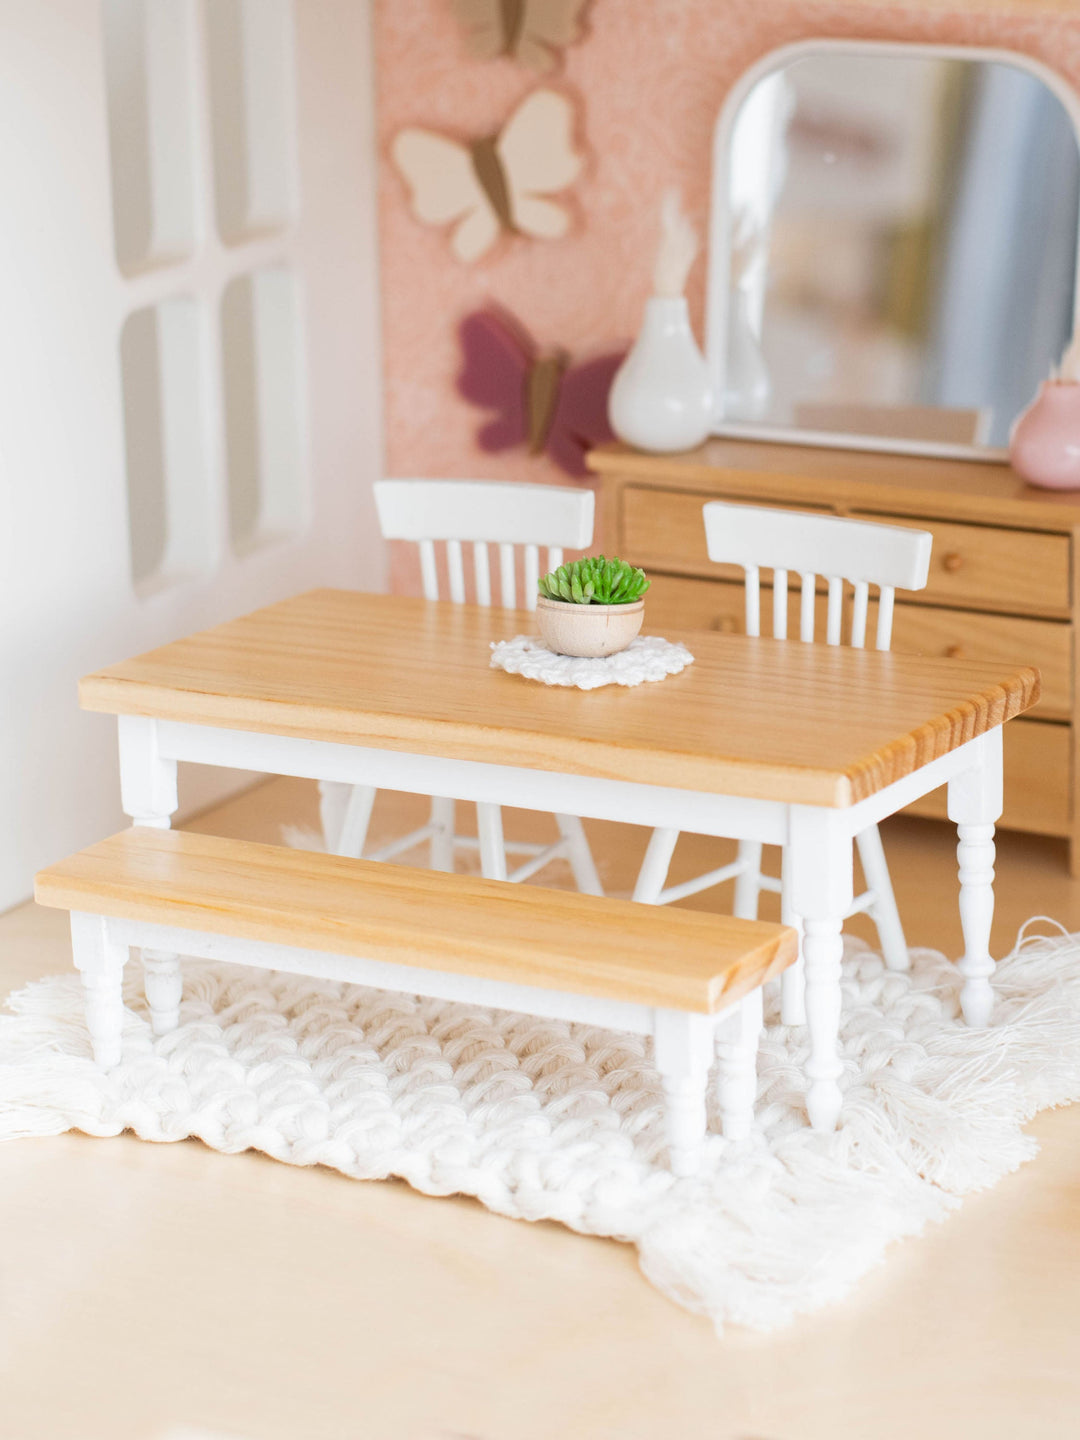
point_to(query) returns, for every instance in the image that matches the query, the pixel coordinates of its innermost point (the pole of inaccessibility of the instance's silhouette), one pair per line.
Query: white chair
(485, 513)
(862, 554)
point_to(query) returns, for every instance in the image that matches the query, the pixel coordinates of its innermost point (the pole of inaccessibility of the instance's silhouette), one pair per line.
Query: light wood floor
(147, 1288)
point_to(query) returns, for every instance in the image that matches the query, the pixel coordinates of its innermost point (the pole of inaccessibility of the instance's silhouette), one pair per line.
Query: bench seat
(691, 980)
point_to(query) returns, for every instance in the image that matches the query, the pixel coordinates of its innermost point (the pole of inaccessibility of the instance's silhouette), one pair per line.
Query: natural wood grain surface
(906, 484)
(809, 724)
(555, 939)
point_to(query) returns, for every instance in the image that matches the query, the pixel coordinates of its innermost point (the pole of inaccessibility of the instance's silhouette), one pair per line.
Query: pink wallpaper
(649, 80)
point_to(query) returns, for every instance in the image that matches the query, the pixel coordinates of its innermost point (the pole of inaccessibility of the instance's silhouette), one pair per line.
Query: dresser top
(963, 489)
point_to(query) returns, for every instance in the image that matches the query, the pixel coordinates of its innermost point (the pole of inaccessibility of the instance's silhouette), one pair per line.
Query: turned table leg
(819, 870)
(736, 1065)
(975, 803)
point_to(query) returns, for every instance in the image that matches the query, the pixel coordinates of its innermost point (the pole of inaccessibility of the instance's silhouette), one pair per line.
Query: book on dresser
(1002, 580)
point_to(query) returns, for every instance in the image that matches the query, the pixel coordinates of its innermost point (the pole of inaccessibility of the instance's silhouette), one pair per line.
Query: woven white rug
(543, 1120)
(647, 658)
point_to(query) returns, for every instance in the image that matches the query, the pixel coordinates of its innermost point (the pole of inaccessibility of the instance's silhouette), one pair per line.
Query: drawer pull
(726, 625)
(954, 652)
(953, 561)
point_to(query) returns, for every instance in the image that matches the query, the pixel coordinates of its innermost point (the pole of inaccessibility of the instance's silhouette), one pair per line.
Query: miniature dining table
(791, 744)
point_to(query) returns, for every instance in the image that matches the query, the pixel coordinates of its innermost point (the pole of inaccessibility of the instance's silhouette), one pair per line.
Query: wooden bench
(691, 980)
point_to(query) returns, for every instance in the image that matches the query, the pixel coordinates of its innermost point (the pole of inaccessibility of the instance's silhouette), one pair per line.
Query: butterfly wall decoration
(530, 31)
(497, 185)
(539, 400)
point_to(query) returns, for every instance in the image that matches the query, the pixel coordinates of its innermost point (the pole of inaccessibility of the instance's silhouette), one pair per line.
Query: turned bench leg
(736, 1063)
(164, 988)
(684, 1051)
(100, 961)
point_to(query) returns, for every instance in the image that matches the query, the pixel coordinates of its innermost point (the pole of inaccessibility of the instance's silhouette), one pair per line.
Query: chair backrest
(485, 512)
(889, 556)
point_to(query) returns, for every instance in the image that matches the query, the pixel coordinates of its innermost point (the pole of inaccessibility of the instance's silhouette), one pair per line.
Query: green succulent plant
(594, 581)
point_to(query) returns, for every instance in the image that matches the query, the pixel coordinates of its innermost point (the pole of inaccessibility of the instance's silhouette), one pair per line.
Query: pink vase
(1044, 446)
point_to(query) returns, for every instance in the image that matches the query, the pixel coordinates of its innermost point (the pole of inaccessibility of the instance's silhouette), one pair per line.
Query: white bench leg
(579, 855)
(684, 1051)
(164, 987)
(100, 961)
(736, 1063)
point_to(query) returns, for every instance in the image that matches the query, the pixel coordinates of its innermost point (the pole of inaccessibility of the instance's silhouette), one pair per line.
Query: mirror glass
(894, 246)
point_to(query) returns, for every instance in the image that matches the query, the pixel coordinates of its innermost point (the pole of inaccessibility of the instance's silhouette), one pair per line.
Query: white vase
(662, 397)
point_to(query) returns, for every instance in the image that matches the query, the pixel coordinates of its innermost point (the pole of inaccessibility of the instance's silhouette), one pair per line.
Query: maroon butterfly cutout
(539, 400)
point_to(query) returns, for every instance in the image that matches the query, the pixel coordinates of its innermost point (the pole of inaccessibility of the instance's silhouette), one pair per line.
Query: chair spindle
(807, 600)
(835, 618)
(779, 605)
(455, 571)
(753, 600)
(858, 615)
(883, 639)
(429, 573)
(482, 572)
(532, 575)
(508, 576)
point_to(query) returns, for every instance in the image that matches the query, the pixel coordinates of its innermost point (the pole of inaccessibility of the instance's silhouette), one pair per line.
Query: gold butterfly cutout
(498, 184)
(530, 31)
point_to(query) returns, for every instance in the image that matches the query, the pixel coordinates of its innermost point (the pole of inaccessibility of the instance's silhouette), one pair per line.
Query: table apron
(592, 797)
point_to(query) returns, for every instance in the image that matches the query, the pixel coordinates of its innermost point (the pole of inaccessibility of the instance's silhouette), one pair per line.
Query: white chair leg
(793, 980)
(101, 963)
(354, 823)
(442, 838)
(654, 867)
(736, 1063)
(492, 850)
(748, 881)
(684, 1050)
(579, 855)
(883, 911)
(333, 800)
(164, 988)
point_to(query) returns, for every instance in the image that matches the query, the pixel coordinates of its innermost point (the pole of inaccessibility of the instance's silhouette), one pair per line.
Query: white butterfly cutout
(534, 157)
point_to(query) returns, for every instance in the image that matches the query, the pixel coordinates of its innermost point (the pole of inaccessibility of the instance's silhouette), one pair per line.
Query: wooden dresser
(1003, 578)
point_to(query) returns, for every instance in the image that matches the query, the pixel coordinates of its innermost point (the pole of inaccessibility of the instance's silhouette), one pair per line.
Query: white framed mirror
(893, 245)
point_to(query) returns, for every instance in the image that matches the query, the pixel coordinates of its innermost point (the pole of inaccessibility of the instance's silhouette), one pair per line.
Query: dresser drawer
(1007, 640)
(1038, 780)
(664, 529)
(993, 569)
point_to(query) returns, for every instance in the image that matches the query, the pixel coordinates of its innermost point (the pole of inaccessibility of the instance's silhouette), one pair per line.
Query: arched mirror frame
(718, 287)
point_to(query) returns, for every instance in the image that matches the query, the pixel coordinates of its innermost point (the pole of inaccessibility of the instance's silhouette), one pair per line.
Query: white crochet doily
(647, 658)
(544, 1120)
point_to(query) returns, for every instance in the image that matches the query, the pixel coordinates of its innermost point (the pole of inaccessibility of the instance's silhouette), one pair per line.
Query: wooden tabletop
(772, 719)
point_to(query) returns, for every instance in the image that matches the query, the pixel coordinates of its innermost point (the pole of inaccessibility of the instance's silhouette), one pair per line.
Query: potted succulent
(591, 607)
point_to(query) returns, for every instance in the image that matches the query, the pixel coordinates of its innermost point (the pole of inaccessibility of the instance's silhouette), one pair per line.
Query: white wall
(68, 603)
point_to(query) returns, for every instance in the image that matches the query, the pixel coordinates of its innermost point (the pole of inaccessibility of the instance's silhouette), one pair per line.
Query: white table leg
(975, 803)
(793, 980)
(819, 870)
(147, 782)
